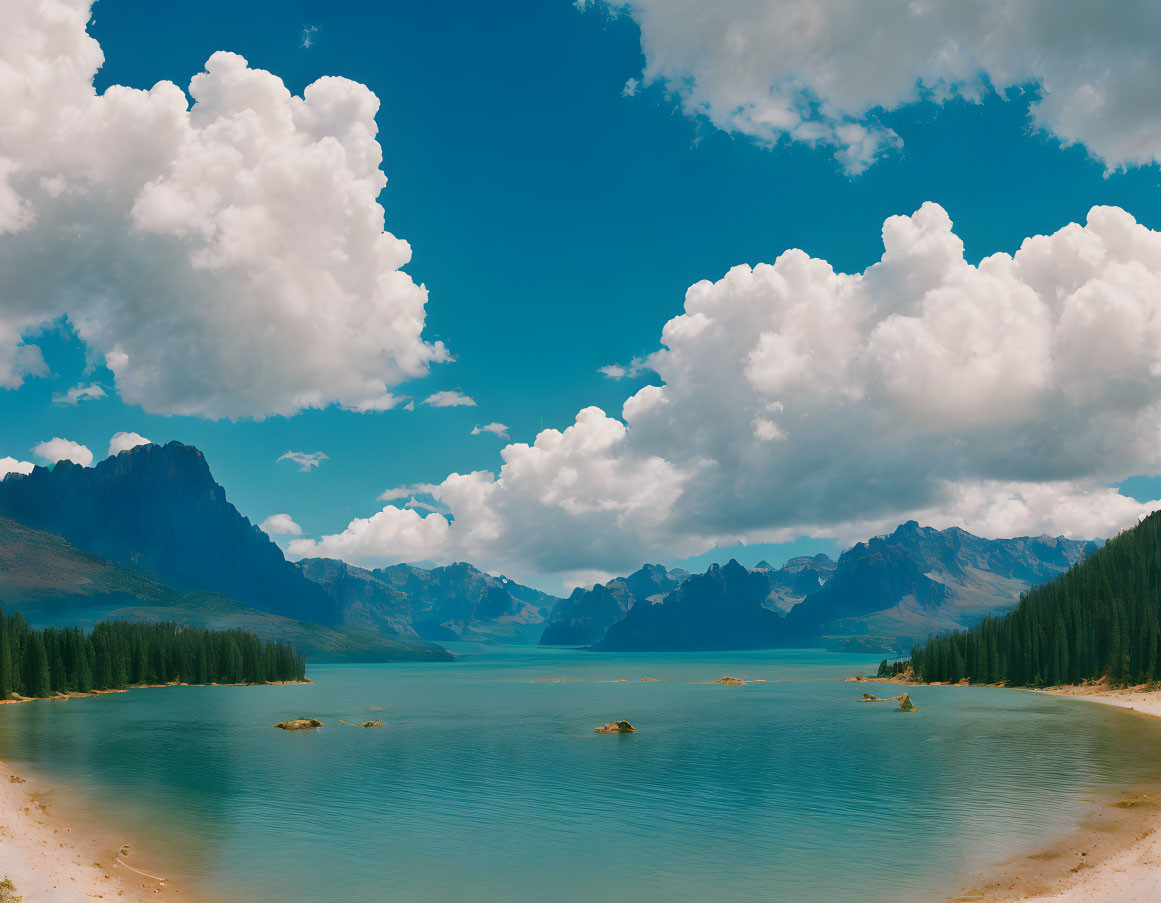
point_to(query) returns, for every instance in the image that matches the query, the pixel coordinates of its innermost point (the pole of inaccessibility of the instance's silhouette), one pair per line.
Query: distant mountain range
(583, 618)
(157, 511)
(883, 594)
(54, 584)
(893, 591)
(149, 533)
(443, 604)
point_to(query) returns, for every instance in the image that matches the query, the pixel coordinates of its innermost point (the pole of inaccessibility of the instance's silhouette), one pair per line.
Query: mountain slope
(583, 617)
(796, 579)
(895, 590)
(439, 604)
(464, 601)
(724, 608)
(364, 601)
(1102, 619)
(157, 509)
(54, 584)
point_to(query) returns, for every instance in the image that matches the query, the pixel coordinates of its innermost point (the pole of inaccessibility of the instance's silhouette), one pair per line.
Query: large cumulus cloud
(226, 259)
(820, 70)
(1003, 397)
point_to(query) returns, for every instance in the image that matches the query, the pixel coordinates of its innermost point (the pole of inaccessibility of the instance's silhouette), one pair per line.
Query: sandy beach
(1115, 855)
(47, 862)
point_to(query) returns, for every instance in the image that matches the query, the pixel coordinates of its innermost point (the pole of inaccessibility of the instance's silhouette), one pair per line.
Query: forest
(119, 654)
(1101, 619)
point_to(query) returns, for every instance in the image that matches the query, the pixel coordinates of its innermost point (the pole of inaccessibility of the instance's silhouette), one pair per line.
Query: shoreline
(54, 855)
(1113, 856)
(89, 695)
(48, 861)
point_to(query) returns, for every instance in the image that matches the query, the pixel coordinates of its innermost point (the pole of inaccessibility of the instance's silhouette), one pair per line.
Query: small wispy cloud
(77, 394)
(280, 525)
(631, 370)
(449, 398)
(308, 33)
(632, 86)
(306, 461)
(403, 492)
(384, 402)
(496, 429)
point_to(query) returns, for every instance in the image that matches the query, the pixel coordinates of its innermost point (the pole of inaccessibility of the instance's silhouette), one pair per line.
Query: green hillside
(56, 585)
(1101, 619)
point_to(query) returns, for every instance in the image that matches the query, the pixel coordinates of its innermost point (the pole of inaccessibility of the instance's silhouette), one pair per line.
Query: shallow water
(486, 786)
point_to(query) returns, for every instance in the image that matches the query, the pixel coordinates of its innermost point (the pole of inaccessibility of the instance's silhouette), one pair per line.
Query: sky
(554, 178)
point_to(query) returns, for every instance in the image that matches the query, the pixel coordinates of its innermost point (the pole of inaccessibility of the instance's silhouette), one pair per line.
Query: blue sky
(555, 223)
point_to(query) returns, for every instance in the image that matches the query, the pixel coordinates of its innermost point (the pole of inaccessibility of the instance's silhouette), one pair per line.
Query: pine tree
(5, 659)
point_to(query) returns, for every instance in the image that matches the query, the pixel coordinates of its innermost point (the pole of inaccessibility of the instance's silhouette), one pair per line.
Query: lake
(485, 785)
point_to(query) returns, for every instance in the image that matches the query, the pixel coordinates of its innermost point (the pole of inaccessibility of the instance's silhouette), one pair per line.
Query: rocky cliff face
(724, 608)
(583, 618)
(158, 509)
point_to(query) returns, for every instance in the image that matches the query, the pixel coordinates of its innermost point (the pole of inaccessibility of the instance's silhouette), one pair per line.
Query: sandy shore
(47, 862)
(1115, 855)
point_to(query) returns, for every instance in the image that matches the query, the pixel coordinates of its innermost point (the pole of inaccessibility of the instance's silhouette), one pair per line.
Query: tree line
(119, 654)
(1100, 619)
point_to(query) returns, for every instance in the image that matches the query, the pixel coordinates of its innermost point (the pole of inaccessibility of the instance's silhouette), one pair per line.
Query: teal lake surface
(484, 785)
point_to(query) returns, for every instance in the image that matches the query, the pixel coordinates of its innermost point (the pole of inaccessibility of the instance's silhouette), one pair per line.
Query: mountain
(583, 617)
(724, 608)
(440, 604)
(364, 601)
(895, 590)
(1102, 619)
(54, 584)
(157, 509)
(796, 579)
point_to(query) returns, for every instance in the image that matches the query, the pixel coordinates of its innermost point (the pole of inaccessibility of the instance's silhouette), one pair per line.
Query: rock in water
(616, 727)
(730, 681)
(905, 704)
(372, 724)
(301, 724)
(871, 697)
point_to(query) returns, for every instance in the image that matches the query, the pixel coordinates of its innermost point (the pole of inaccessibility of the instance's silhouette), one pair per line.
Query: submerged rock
(905, 704)
(372, 724)
(616, 727)
(301, 724)
(730, 681)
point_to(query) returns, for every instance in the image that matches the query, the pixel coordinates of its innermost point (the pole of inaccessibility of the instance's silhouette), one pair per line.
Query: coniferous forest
(120, 654)
(1101, 619)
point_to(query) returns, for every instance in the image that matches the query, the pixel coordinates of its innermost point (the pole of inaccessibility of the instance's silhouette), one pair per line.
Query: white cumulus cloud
(125, 441)
(226, 258)
(496, 429)
(449, 399)
(58, 449)
(819, 72)
(306, 461)
(1003, 397)
(280, 525)
(12, 465)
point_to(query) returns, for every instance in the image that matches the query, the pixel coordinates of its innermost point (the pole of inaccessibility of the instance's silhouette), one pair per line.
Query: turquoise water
(484, 786)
